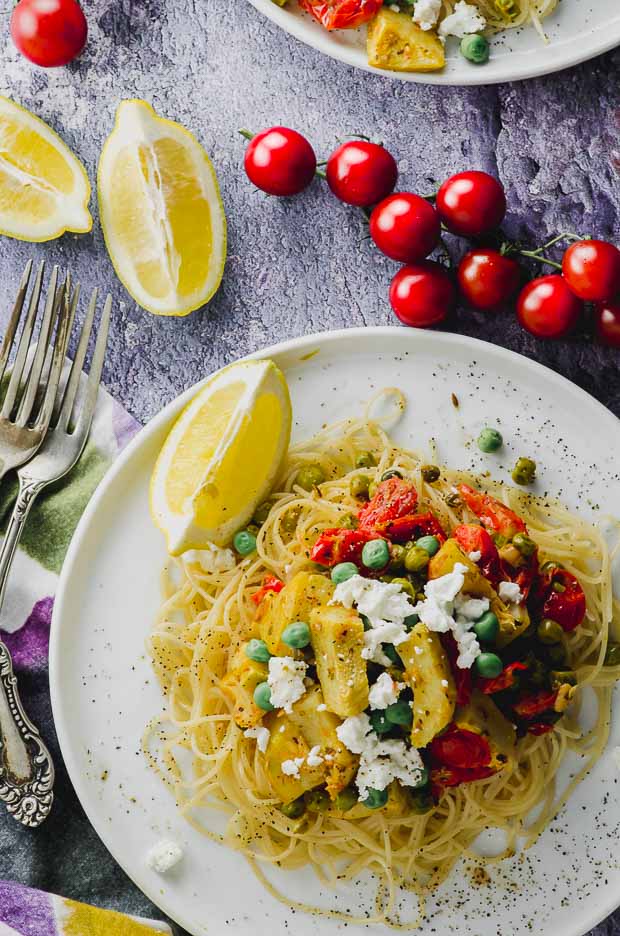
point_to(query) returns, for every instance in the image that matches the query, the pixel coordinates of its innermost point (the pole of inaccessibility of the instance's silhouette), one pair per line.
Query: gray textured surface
(302, 265)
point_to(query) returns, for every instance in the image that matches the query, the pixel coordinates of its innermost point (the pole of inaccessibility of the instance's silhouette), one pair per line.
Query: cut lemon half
(222, 456)
(44, 189)
(161, 212)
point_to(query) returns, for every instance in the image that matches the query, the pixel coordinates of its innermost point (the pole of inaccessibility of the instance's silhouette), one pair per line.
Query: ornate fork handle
(26, 768)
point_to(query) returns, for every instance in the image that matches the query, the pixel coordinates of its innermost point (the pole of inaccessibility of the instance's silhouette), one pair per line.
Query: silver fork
(26, 782)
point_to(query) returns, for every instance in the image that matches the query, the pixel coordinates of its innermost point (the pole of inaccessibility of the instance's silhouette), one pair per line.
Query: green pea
(475, 48)
(262, 512)
(416, 559)
(525, 545)
(296, 635)
(392, 473)
(405, 584)
(244, 542)
(309, 477)
(488, 665)
(430, 473)
(365, 460)
(399, 713)
(524, 471)
(262, 697)
(549, 632)
(376, 554)
(486, 628)
(489, 440)
(421, 801)
(358, 486)
(557, 654)
(257, 650)
(295, 809)
(429, 543)
(397, 556)
(317, 801)
(379, 721)
(612, 655)
(392, 654)
(346, 799)
(343, 571)
(376, 799)
(290, 520)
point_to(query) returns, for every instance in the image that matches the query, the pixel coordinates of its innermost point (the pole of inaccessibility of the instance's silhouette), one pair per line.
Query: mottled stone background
(294, 266)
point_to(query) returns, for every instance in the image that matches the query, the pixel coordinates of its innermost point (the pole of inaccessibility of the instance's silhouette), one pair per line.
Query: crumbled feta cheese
(426, 13)
(475, 556)
(445, 609)
(286, 681)
(164, 856)
(383, 693)
(471, 608)
(510, 592)
(261, 736)
(384, 604)
(314, 759)
(465, 20)
(381, 762)
(211, 559)
(290, 768)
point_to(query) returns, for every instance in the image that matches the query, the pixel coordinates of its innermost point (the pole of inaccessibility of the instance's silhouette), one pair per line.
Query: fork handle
(28, 493)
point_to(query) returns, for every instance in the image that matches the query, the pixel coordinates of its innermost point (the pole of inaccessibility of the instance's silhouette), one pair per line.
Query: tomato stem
(246, 133)
(536, 255)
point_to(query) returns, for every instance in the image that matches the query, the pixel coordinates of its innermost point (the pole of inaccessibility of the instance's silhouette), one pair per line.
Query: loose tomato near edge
(341, 14)
(280, 161)
(607, 323)
(361, 173)
(471, 203)
(547, 307)
(592, 270)
(488, 279)
(49, 33)
(422, 294)
(405, 227)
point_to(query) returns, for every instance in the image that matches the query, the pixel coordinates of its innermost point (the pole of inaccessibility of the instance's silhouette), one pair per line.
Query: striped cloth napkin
(25, 625)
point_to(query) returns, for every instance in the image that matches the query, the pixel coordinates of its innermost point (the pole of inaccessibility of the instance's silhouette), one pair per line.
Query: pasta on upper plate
(409, 35)
(390, 659)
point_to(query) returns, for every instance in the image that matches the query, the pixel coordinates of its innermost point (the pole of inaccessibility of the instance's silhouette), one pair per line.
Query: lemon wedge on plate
(161, 212)
(222, 456)
(44, 189)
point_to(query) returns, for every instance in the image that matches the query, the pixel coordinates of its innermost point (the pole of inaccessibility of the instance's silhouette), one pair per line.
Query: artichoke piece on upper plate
(427, 670)
(337, 642)
(395, 42)
(305, 591)
(239, 684)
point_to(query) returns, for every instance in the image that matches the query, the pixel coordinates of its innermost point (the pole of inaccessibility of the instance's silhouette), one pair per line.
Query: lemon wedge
(161, 212)
(222, 456)
(44, 189)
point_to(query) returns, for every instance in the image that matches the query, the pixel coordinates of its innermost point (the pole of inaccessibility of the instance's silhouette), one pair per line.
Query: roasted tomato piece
(341, 14)
(460, 748)
(414, 526)
(473, 538)
(564, 600)
(535, 704)
(496, 517)
(505, 680)
(462, 677)
(270, 584)
(442, 777)
(337, 545)
(394, 498)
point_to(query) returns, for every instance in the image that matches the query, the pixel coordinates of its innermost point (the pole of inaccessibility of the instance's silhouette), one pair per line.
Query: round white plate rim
(581, 52)
(174, 406)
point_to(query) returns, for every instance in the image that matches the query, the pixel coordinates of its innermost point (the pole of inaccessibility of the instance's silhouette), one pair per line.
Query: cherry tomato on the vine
(488, 278)
(471, 203)
(592, 270)
(361, 173)
(405, 227)
(547, 308)
(607, 322)
(422, 294)
(280, 161)
(49, 32)
(341, 14)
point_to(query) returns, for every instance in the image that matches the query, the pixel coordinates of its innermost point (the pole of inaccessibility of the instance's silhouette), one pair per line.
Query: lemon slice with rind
(161, 212)
(44, 189)
(222, 456)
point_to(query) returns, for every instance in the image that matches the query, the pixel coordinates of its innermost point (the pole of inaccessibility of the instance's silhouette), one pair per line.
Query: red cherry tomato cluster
(49, 32)
(407, 228)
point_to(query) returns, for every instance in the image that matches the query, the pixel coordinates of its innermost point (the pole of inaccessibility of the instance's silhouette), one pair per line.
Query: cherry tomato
(422, 294)
(280, 161)
(337, 545)
(49, 32)
(487, 278)
(495, 516)
(405, 227)
(592, 270)
(568, 606)
(471, 203)
(341, 14)
(361, 173)
(547, 308)
(607, 322)
(393, 499)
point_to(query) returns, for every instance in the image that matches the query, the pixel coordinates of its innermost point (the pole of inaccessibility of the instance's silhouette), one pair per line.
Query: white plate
(103, 691)
(577, 31)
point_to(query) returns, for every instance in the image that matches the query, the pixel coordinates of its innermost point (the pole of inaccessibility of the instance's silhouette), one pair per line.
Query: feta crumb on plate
(465, 20)
(163, 856)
